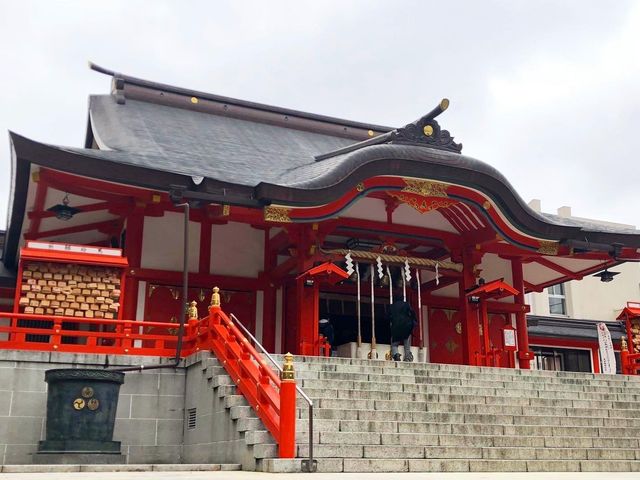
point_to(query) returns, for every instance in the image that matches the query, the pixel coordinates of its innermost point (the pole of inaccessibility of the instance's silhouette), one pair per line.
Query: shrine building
(296, 217)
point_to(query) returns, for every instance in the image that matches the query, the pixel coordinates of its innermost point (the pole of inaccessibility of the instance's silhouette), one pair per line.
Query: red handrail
(273, 399)
(91, 335)
(629, 361)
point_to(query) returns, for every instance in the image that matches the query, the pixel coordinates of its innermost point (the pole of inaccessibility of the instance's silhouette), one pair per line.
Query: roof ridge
(235, 101)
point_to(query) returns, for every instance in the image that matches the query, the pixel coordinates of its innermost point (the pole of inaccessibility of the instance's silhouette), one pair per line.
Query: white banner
(607, 356)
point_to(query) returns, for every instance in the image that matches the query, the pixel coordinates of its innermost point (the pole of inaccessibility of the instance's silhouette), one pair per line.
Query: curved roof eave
(322, 182)
(327, 180)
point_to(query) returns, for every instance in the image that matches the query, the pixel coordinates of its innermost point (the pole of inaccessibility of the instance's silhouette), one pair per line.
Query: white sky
(547, 92)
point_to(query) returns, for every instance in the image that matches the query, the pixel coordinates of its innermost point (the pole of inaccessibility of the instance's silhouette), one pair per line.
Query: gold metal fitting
(192, 311)
(444, 103)
(428, 130)
(623, 343)
(215, 297)
(288, 372)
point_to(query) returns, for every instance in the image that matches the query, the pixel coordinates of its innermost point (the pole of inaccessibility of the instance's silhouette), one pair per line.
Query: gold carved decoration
(215, 297)
(277, 214)
(459, 328)
(548, 247)
(288, 372)
(78, 404)
(226, 209)
(421, 203)
(425, 188)
(192, 311)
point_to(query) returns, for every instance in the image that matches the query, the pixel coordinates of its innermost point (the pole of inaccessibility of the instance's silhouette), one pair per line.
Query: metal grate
(191, 418)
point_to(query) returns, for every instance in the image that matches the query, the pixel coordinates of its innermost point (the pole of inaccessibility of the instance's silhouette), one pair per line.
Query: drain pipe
(183, 310)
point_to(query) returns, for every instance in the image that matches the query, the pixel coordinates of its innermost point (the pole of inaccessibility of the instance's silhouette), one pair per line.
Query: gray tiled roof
(194, 143)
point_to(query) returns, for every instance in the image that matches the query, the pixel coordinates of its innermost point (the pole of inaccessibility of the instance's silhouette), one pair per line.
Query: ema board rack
(70, 280)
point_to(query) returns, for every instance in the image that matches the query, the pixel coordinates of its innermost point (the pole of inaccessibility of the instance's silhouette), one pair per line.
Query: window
(557, 300)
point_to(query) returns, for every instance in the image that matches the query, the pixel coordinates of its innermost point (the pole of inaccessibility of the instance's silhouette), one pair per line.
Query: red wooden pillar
(133, 252)
(269, 298)
(468, 313)
(524, 353)
(486, 346)
(287, 440)
(308, 317)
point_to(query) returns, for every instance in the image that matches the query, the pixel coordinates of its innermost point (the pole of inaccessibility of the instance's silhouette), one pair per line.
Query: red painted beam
(38, 204)
(432, 286)
(199, 280)
(108, 225)
(277, 242)
(545, 262)
(283, 269)
(420, 234)
(93, 207)
(98, 187)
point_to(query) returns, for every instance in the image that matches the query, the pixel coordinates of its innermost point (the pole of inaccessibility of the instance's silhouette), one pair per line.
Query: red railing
(272, 398)
(21, 331)
(629, 361)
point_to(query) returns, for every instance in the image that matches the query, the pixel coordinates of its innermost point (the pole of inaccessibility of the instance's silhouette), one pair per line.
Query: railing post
(56, 338)
(287, 444)
(191, 333)
(624, 357)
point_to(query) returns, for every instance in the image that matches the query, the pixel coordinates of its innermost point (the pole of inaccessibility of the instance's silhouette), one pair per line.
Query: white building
(573, 308)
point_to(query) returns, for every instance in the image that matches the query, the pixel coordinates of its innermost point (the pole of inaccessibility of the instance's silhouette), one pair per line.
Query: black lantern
(62, 210)
(606, 276)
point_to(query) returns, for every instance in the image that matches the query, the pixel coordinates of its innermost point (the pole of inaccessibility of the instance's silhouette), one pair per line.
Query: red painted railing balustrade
(272, 398)
(50, 333)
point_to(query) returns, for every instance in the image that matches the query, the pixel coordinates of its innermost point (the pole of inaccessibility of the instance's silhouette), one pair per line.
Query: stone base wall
(214, 438)
(150, 415)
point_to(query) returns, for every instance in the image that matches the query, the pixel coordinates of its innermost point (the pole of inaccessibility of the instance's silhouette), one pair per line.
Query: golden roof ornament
(288, 372)
(215, 297)
(426, 131)
(192, 311)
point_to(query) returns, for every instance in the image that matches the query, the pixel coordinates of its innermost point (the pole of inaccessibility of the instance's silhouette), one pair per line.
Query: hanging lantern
(64, 211)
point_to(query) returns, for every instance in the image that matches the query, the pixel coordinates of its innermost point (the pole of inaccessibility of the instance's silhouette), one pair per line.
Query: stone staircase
(377, 416)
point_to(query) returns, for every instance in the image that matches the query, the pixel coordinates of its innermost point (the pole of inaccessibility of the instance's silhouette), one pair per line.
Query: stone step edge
(432, 365)
(471, 397)
(167, 467)
(512, 387)
(521, 393)
(464, 421)
(318, 406)
(273, 465)
(303, 434)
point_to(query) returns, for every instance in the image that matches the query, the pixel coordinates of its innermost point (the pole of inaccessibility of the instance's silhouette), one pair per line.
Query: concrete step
(385, 465)
(468, 418)
(324, 450)
(514, 391)
(379, 416)
(479, 408)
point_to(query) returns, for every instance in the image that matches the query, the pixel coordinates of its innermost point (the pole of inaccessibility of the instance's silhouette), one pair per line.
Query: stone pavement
(315, 476)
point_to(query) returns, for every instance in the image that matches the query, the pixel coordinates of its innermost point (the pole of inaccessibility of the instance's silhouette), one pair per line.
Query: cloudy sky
(548, 92)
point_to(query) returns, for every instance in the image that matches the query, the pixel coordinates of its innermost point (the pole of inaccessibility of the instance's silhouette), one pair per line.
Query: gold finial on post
(215, 297)
(623, 343)
(192, 311)
(288, 372)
